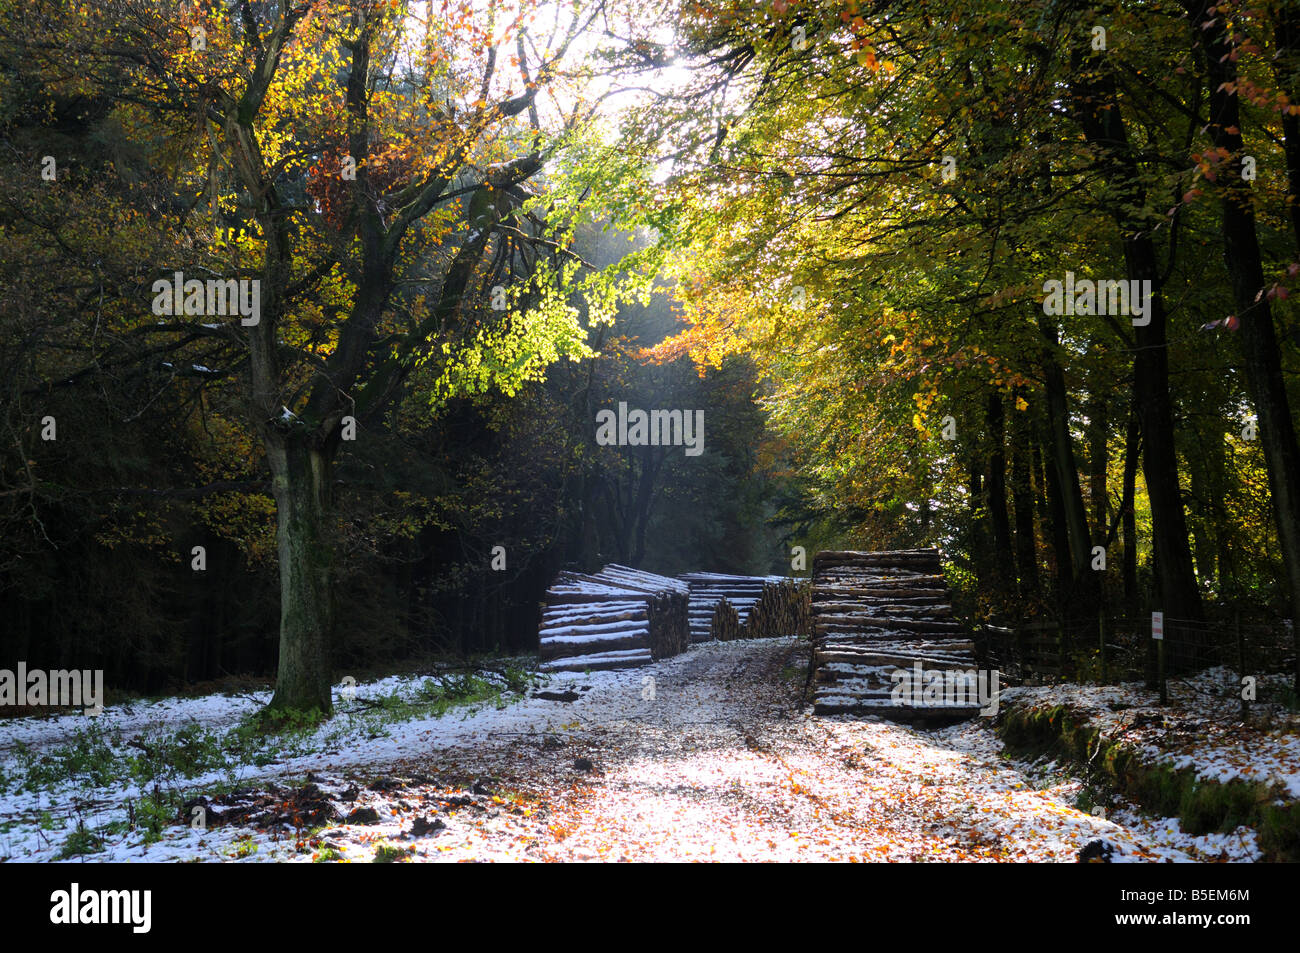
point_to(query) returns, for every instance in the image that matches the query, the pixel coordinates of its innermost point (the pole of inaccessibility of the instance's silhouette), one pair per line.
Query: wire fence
(1213, 656)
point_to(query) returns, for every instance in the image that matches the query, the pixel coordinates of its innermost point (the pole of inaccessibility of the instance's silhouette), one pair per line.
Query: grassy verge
(161, 761)
(1201, 806)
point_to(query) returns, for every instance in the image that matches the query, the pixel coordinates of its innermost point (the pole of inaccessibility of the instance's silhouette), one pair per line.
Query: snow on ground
(34, 824)
(711, 755)
(1163, 837)
(1202, 728)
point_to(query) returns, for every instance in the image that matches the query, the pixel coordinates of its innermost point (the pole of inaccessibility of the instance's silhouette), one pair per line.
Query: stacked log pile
(616, 618)
(766, 606)
(875, 613)
(784, 608)
(707, 589)
(726, 625)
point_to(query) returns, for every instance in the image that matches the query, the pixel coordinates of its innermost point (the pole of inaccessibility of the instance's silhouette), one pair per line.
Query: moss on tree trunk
(301, 483)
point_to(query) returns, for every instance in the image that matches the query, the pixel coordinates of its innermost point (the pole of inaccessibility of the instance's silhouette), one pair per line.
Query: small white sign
(1158, 625)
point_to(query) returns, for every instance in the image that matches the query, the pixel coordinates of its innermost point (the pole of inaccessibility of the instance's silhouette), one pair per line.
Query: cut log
(574, 646)
(629, 659)
(849, 624)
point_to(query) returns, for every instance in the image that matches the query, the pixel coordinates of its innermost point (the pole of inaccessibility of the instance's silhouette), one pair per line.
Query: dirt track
(723, 763)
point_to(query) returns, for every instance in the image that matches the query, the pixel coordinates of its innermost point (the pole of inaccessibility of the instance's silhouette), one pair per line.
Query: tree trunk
(1261, 355)
(1201, 516)
(979, 546)
(1132, 454)
(1022, 502)
(1284, 68)
(1176, 577)
(1097, 105)
(1054, 510)
(1098, 461)
(650, 464)
(301, 484)
(995, 494)
(1098, 466)
(1081, 585)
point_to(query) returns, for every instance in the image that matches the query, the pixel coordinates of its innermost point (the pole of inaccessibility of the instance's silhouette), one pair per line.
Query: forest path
(725, 763)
